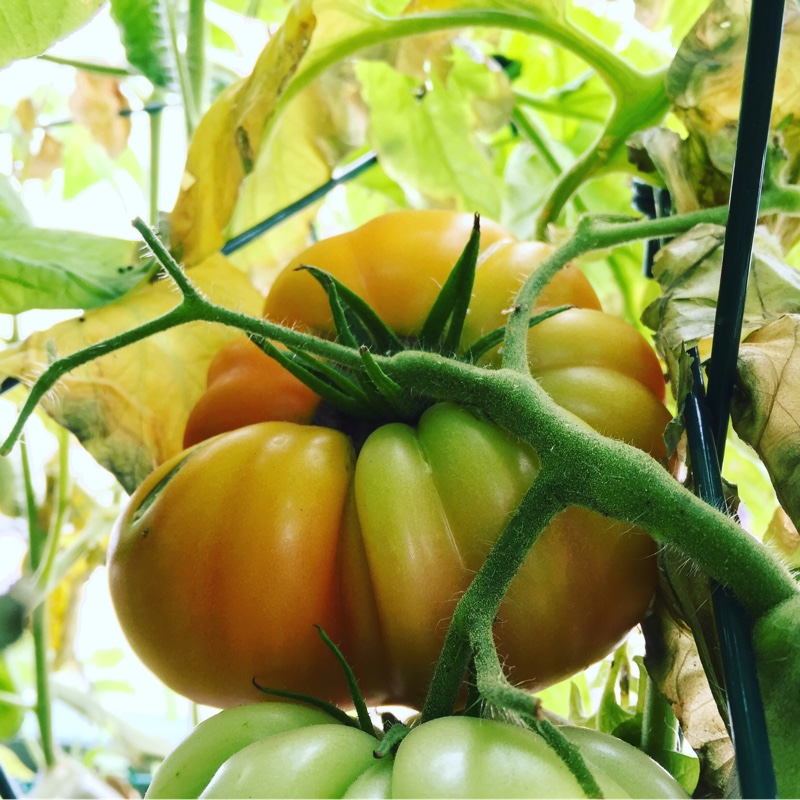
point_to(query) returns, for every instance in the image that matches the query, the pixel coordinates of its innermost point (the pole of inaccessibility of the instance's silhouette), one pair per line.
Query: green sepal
(387, 389)
(445, 321)
(333, 375)
(391, 740)
(357, 315)
(495, 337)
(359, 703)
(342, 398)
(323, 705)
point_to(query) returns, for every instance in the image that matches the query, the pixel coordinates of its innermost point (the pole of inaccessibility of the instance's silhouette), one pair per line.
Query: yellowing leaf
(97, 102)
(705, 78)
(322, 124)
(766, 407)
(783, 536)
(129, 408)
(227, 141)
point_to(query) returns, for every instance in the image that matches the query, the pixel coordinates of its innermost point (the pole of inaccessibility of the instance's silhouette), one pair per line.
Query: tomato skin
(397, 262)
(209, 593)
(261, 754)
(244, 386)
(223, 562)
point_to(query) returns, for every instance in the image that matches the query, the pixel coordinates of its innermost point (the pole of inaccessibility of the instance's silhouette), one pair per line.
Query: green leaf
(11, 207)
(683, 767)
(45, 268)
(143, 27)
(427, 143)
(29, 27)
(11, 714)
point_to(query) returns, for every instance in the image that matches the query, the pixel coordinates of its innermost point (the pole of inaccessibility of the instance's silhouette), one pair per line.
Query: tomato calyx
(366, 393)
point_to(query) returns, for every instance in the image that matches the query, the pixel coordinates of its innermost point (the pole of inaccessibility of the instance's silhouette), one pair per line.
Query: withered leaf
(229, 137)
(766, 405)
(688, 271)
(673, 662)
(129, 408)
(96, 103)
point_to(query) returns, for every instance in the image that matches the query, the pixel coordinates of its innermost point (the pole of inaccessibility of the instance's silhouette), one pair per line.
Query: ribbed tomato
(228, 555)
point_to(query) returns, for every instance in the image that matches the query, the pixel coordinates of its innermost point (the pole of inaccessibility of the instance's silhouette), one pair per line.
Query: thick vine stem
(606, 475)
(479, 604)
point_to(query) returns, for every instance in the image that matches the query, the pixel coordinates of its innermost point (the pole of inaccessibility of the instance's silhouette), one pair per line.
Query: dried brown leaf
(766, 406)
(96, 103)
(674, 663)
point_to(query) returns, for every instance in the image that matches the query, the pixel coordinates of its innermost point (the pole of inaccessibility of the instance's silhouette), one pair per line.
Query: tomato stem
(495, 689)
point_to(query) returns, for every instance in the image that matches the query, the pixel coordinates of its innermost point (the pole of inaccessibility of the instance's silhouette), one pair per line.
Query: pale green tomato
(283, 750)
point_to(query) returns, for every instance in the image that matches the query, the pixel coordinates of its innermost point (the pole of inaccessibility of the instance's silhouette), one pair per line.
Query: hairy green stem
(495, 689)
(189, 109)
(154, 173)
(635, 107)
(480, 603)
(45, 567)
(659, 724)
(36, 543)
(606, 475)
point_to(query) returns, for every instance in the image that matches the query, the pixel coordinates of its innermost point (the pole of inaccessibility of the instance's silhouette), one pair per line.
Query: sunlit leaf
(766, 408)
(600, 21)
(96, 103)
(228, 139)
(324, 122)
(129, 408)
(677, 16)
(86, 162)
(688, 271)
(142, 25)
(783, 536)
(46, 268)
(11, 206)
(29, 27)
(424, 140)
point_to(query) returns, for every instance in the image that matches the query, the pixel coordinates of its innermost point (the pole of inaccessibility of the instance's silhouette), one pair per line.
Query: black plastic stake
(748, 726)
(347, 174)
(745, 708)
(761, 66)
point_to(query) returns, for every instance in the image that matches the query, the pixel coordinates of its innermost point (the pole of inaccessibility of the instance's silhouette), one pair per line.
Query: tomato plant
(281, 750)
(247, 541)
(523, 112)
